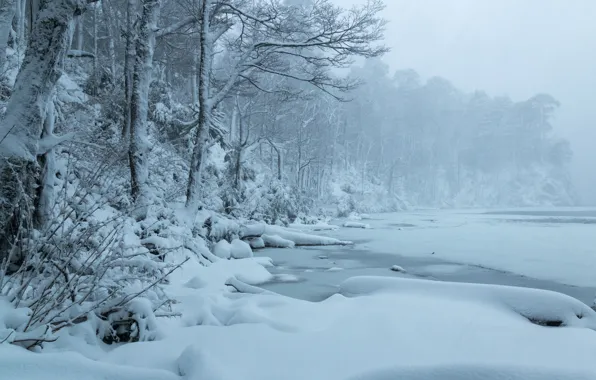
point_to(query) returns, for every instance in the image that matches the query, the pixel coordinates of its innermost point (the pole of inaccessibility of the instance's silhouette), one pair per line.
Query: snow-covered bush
(88, 264)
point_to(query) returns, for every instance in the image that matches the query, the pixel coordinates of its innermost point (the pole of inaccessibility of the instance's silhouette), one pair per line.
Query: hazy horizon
(508, 48)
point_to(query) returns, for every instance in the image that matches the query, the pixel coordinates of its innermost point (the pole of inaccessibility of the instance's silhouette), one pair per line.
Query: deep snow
(381, 327)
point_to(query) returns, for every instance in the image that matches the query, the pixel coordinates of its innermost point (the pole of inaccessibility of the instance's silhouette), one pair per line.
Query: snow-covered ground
(381, 324)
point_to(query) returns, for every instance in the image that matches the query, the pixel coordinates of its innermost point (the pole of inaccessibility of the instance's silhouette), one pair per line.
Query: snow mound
(350, 224)
(303, 239)
(240, 249)
(196, 363)
(222, 249)
(257, 243)
(277, 241)
(274, 236)
(397, 268)
(538, 306)
(215, 276)
(335, 269)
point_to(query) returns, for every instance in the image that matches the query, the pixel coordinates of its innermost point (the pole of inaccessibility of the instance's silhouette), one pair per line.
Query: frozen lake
(552, 249)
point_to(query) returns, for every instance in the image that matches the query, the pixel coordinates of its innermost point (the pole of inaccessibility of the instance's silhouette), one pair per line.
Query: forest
(138, 133)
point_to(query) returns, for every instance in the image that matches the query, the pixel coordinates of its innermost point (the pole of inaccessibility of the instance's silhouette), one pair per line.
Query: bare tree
(297, 42)
(21, 139)
(7, 12)
(139, 145)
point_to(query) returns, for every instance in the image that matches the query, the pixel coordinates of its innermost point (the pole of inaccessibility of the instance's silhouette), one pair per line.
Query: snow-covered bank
(416, 334)
(378, 328)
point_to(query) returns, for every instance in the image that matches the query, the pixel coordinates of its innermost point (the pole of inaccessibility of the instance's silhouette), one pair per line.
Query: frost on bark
(47, 164)
(139, 145)
(129, 59)
(202, 130)
(26, 113)
(7, 11)
(19, 22)
(108, 17)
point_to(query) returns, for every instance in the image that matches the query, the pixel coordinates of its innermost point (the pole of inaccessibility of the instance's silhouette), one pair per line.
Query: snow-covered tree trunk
(139, 132)
(47, 163)
(108, 18)
(202, 130)
(194, 73)
(129, 61)
(7, 12)
(26, 113)
(42, 67)
(19, 23)
(79, 33)
(95, 66)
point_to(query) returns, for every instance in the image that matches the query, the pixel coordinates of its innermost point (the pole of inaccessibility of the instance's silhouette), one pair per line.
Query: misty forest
(169, 166)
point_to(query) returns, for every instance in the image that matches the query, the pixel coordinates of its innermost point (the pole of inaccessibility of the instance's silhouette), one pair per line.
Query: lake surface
(547, 249)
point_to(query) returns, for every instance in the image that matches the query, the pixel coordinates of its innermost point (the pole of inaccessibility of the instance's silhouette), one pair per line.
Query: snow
(249, 270)
(313, 227)
(284, 277)
(222, 249)
(559, 249)
(281, 237)
(377, 328)
(350, 224)
(411, 328)
(257, 243)
(277, 241)
(240, 249)
(397, 268)
(300, 238)
(534, 304)
(415, 332)
(17, 363)
(471, 372)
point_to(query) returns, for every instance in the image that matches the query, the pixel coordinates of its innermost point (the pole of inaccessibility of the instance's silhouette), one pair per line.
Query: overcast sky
(514, 47)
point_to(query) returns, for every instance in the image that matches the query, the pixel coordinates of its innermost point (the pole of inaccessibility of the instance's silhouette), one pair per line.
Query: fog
(512, 47)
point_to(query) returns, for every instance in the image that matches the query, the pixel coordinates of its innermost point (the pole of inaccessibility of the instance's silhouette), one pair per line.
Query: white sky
(514, 47)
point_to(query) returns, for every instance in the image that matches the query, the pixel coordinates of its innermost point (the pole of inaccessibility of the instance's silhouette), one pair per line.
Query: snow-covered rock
(351, 224)
(223, 249)
(397, 268)
(240, 249)
(257, 243)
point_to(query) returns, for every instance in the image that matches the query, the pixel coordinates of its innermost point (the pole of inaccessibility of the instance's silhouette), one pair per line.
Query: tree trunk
(95, 66)
(139, 145)
(47, 164)
(19, 23)
(193, 79)
(129, 61)
(7, 11)
(108, 18)
(26, 114)
(79, 33)
(202, 130)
